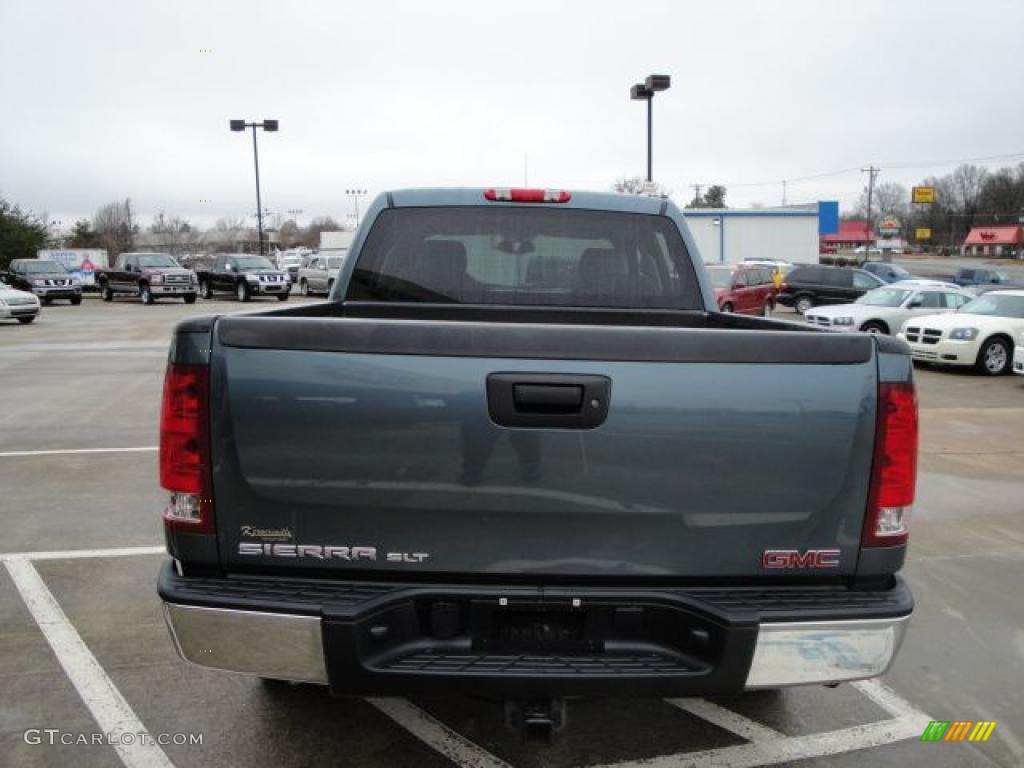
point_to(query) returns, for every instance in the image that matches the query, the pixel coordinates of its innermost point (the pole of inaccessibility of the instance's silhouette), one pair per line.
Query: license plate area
(520, 645)
(540, 631)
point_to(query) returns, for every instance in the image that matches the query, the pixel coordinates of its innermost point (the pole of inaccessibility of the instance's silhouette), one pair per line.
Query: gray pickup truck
(518, 453)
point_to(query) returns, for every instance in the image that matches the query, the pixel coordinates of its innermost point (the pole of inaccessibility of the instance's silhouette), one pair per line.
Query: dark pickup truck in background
(149, 276)
(518, 453)
(245, 276)
(985, 277)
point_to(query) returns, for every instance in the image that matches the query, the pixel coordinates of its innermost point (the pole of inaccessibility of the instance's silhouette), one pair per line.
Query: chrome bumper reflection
(804, 653)
(273, 645)
(289, 647)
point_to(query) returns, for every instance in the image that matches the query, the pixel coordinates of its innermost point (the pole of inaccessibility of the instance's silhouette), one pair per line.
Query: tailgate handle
(548, 400)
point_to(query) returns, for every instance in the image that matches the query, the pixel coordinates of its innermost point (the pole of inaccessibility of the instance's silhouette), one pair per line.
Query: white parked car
(981, 334)
(18, 305)
(1018, 357)
(886, 309)
(319, 275)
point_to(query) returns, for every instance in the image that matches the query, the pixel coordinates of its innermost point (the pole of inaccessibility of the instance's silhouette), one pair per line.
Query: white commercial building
(336, 243)
(730, 235)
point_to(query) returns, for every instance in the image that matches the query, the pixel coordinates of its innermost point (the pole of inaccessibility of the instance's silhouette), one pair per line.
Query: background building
(730, 235)
(1007, 241)
(851, 234)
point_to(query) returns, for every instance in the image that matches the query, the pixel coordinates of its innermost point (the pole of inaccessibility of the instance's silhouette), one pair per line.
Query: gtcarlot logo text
(54, 736)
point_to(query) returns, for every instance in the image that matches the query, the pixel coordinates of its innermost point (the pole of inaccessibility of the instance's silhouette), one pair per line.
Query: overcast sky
(104, 100)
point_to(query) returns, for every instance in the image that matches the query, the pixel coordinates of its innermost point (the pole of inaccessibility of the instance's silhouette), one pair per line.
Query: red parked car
(747, 290)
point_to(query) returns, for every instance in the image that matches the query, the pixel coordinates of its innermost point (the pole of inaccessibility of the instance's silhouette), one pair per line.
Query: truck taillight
(894, 469)
(185, 468)
(519, 195)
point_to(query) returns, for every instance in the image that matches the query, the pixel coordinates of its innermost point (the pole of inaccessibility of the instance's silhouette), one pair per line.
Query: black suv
(47, 279)
(809, 285)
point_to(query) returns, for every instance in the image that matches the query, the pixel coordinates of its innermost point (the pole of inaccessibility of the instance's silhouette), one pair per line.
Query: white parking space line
(886, 698)
(440, 737)
(765, 745)
(790, 748)
(89, 346)
(72, 451)
(74, 554)
(727, 719)
(98, 692)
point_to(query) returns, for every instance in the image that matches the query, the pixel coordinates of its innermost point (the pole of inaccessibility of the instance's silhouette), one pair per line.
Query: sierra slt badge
(794, 558)
(325, 552)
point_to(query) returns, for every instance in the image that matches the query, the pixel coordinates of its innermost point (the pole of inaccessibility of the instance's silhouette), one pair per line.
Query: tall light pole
(266, 125)
(645, 92)
(355, 194)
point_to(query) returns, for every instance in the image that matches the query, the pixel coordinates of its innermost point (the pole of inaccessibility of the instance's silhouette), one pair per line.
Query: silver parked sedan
(18, 305)
(886, 309)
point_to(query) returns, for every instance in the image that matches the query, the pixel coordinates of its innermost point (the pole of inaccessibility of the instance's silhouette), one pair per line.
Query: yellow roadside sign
(923, 194)
(923, 233)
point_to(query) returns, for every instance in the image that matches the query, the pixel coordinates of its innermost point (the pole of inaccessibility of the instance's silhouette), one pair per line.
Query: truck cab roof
(459, 196)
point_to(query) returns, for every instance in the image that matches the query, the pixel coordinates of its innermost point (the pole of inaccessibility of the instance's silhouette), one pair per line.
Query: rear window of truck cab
(525, 256)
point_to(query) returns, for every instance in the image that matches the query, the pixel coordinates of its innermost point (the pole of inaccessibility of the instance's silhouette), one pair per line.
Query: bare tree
(289, 233)
(230, 224)
(1003, 192)
(311, 235)
(889, 199)
(113, 225)
(892, 199)
(175, 234)
(968, 181)
(638, 185)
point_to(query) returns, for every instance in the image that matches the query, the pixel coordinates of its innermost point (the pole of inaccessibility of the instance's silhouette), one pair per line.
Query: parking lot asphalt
(82, 639)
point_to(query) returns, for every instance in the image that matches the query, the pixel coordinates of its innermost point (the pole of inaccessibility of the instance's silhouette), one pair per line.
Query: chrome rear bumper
(276, 645)
(291, 647)
(806, 653)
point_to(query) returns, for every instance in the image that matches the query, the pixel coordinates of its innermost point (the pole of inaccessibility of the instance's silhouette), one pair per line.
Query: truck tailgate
(360, 445)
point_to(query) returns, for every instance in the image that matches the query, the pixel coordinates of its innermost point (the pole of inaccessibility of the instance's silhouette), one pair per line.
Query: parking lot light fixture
(266, 125)
(355, 194)
(645, 92)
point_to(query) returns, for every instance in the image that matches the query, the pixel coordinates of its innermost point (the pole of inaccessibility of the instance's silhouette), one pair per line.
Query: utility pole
(696, 194)
(129, 242)
(783, 192)
(872, 173)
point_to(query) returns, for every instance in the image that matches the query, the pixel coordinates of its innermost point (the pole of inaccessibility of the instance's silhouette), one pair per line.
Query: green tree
(714, 197)
(83, 236)
(21, 234)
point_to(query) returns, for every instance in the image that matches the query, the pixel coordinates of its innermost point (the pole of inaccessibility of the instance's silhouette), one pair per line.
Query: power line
(985, 159)
(776, 182)
(887, 166)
